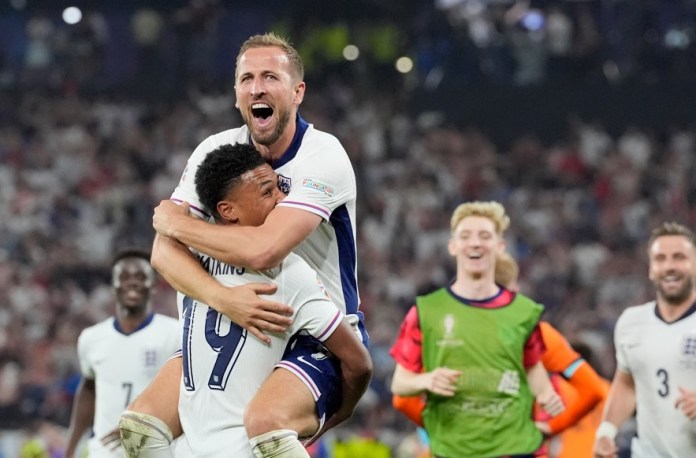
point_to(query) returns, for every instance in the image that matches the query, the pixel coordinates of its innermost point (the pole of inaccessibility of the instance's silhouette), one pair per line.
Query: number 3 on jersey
(227, 346)
(663, 380)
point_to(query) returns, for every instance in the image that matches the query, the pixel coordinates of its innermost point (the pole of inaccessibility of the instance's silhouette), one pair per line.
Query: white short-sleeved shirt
(317, 176)
(224, 366)
(661, 357)
(122, 365)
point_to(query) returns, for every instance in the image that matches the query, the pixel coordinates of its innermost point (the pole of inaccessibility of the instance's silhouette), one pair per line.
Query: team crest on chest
(688, 350)
(284, 184)
(150, 359)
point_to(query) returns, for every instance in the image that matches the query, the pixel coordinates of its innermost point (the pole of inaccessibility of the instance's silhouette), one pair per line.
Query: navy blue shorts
(313, 364)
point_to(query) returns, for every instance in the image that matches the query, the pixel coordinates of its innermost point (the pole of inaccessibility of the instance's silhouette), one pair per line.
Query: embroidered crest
(284, 184)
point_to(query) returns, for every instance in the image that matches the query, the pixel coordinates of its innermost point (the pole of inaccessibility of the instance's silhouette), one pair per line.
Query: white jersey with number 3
(661, 357)
(122, 365)
(224, 365)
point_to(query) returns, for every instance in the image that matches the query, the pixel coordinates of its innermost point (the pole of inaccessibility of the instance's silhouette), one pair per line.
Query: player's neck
(476, 288)
(130, 319)
(275, 151)
(672, 312)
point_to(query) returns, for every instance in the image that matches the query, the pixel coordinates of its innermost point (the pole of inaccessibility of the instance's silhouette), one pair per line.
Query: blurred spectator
(84, 156)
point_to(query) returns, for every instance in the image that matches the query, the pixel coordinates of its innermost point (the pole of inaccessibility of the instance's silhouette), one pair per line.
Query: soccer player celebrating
(474, 348)
(316, 221)
(656, 356)
(119, 356)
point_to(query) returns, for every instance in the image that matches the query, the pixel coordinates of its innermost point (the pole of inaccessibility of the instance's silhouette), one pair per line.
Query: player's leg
(309, 382)
(282, 402)
(151, 422)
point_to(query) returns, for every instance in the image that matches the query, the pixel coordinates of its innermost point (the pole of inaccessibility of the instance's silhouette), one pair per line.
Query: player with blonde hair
(474, 348)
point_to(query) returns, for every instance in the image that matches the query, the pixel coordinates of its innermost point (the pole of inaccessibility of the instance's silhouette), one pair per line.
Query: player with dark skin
(132, 281)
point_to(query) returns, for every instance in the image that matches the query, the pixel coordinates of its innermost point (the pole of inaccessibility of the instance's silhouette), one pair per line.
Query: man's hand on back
(244, 306)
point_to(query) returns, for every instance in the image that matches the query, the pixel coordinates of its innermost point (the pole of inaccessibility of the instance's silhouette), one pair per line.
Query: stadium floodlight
(351, 52)
(72, 15)
(404, 64)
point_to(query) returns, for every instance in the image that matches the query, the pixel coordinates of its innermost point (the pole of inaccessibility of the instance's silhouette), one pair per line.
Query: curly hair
(221, 170)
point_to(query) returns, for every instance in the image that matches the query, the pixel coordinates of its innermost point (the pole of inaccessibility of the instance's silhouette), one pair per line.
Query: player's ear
(451, 249)
(227, 211)
(501, 246)
(299, 93)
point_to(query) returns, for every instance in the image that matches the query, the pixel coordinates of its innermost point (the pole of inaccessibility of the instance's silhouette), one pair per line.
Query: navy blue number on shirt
(663, 377)
(228, 346)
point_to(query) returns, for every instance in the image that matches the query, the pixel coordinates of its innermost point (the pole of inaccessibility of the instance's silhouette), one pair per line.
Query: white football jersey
(122, 365)
(224, 366)
(661, 357)
(317, 176)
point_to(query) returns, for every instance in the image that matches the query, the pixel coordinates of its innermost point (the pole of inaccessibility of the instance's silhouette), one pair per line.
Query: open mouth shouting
(262, 114)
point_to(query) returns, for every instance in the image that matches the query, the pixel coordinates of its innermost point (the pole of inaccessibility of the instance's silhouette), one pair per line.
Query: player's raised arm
(259, 247)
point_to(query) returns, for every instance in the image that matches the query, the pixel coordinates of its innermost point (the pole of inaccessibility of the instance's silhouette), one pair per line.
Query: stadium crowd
(81, 170)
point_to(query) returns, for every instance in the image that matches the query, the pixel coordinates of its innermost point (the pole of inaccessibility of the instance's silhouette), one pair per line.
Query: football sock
(281, 443)
(145, 436)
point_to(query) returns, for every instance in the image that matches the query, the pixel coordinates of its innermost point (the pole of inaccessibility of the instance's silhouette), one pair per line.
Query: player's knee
(144, 435)
(281, 443)
(259, 421)
(168, 412)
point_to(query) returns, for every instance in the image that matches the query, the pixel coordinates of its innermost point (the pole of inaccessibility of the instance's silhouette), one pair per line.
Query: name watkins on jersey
(215, 267)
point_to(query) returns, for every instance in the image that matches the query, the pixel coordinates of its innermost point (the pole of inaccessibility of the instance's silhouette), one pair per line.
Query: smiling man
(656, 356)
(119, 356)
(474, 349)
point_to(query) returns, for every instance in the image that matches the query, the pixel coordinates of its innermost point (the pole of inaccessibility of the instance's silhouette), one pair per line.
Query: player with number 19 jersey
(122, 365)
(224, 366)
(316, 175)
(661, 357)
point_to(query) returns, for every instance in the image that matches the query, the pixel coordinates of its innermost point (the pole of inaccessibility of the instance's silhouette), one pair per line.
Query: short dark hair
(672, 228)
(220, 171)
(131, 253)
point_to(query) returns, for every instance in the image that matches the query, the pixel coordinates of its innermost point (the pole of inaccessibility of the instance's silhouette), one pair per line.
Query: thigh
(304, 389)
(161, 397)
(285, 403)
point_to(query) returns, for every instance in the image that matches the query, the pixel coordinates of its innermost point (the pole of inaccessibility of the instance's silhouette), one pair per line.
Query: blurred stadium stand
(577, 115)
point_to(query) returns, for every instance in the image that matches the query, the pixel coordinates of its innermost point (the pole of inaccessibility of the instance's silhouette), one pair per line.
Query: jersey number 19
(227, 346)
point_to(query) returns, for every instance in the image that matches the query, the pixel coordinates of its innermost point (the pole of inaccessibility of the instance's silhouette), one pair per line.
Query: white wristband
(607, 429)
